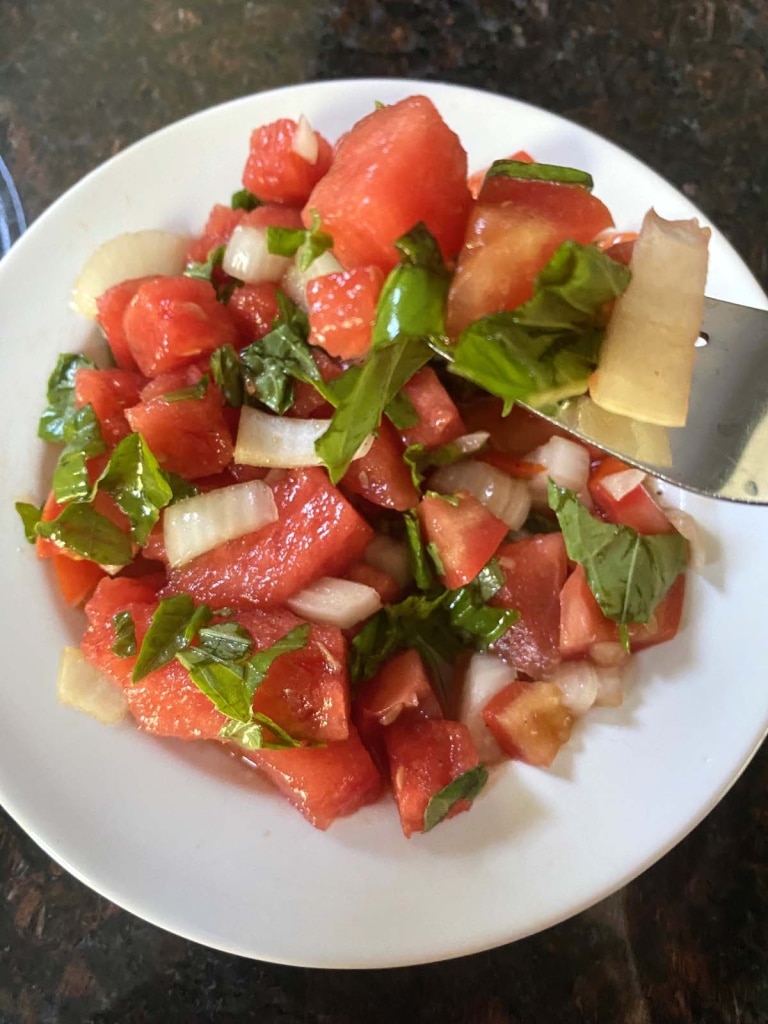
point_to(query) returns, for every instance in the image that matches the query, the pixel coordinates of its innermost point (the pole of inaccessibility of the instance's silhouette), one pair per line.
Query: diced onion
(647, 355)
(484, 677)
(281, 442)
(295, 280)
(335, 602)
(608, 654)
(687, 526)
(390, 556)
(81, 685)
(578, 681)
(133, 254)
(610, 688)
(304, 142)
(509, 499)
(203, 522)
(566, 462)
(619, 485)
(248, 258)
(471, 443)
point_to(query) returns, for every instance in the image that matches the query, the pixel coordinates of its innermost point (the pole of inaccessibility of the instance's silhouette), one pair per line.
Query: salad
(299, 505)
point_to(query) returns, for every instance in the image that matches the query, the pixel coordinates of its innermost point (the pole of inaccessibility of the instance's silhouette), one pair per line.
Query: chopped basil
(30, 517)
(83, 530)
(227, 375)
(401, 413)
(61, 397)
(465, 787)
(285, 241)
(528, 171)
(629, 573)
(211, 270)
(83, 438)
(125, 634)
(174, 625)
(250, 735)
(226, 641)
(420, 565)
(309, 243)
(194, 391)
(137, 483)
(421, 459)
(243, 199)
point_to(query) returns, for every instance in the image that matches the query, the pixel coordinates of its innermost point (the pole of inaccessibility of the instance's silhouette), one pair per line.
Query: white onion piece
(484, 677)
(133, 254)
(566, 462)
(81, 685)
(282, 442)
(295, 280)
(579, 684)
(687, 526)
(391, 556)
(334, 602)
(608, 654)
(620, 484)
(248, 258)
(610, 687)
(509, 499)
(203, 522)
(304, 142)
(468, 444)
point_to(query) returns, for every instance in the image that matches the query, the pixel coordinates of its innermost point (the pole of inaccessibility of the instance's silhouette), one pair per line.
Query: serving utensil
(722, 451)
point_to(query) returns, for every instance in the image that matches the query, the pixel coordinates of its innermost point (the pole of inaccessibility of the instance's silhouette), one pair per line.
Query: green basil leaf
(466, 786)
(227, 375)
(180, 487)
(401, 413)
(204, 271)
(420, 565)
(629, 573)
(125, 634)
(309, 243)
(194, 391)
(80, 528)
(285, 241)
(61, 396)
(226, 641)
(30, 516)
(250, 735)
(83, 437)
(243, 199)
(137, 483)
(172, 629)
(421, 459)
(221, 682)
(261, 662)
(540, 172)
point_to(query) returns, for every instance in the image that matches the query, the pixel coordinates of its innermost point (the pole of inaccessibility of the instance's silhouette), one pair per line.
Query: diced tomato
(172, 382)
(534, 572)
(275, 172)
(342, 309)
(636, 508)
(514, 230)
(475, 181)
(619, 245)
(188, 436)
(324, 783)
(110, 392)
(512, 465)
(386, 587)
(400, 683)
(529, 721)
(172, 321)
(583, 624)
(380, 475)
(111, 307)
(439, 420)
(379, 185)
(254, 309)
(305, 691)
(425, 755)
(464, 532)
(516, 434)
(76, 577)
(317, 533)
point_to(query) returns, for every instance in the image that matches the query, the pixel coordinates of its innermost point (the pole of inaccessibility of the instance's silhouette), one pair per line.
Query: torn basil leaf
(61, 396)
(125, 634)
(30, 516)
(137, 483)
(84, 440)
(532, 171)
(308, 243)
(466, 786)
(83, 530)
(227, 375)
(174, 625)
(244, 199)
(190, 393)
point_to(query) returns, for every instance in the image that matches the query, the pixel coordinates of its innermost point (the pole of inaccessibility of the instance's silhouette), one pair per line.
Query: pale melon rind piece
(647, 356)
(647, 442)
(133, 254)
(81, 685)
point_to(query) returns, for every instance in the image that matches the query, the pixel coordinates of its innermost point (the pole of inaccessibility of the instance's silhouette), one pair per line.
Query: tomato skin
(636, 509)
(190, 436)
(425, 754)
(529, 721)
(76, 577)
(342, 309)
(379, 168)
(172, 321)
(318, 533)
(535, 570)
(380, 475)
(514, 229)
(323, 783)
(465, 535)
(439, 420)
(274, 172)
(582, 623)
(111, 307)
(110, 392)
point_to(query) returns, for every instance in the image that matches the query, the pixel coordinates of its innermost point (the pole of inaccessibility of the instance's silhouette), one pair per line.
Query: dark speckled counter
(681, 85)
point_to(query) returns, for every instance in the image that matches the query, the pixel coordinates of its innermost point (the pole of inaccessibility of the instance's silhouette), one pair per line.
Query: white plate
(183, 838)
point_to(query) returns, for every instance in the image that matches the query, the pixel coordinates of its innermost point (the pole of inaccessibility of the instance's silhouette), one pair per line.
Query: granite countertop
(681, 85)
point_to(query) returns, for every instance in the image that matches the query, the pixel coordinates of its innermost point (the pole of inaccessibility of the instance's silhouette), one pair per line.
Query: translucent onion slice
(295, 280)
(484, 677)
(304, 142)
(134, 254)
(647, 356)
(390, 556)
(566, 462)
(334, 602)
(686, 525)
(608, 654)
(81, 685)
(203, 522)
(610, 687)
(579, 684)
(281, 442)
(509, 499)
(248, 258)
(620, 484)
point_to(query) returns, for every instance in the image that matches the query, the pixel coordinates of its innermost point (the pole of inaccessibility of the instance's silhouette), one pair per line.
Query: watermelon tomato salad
(298, 503)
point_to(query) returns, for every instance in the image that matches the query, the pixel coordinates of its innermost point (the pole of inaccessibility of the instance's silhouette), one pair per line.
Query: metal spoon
(722, 451)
